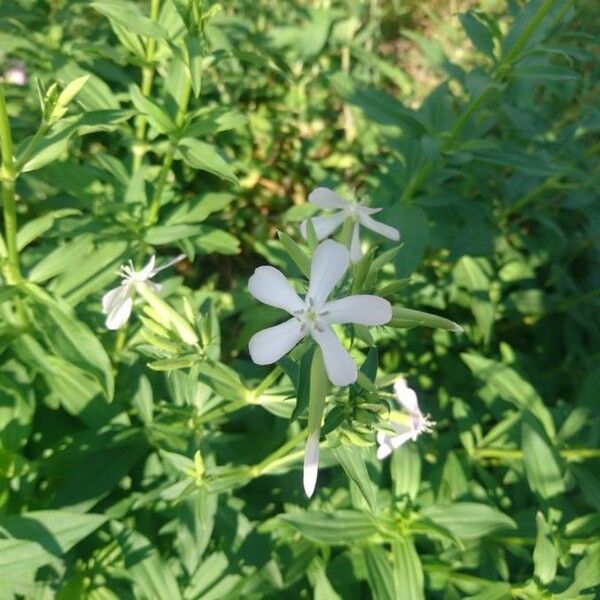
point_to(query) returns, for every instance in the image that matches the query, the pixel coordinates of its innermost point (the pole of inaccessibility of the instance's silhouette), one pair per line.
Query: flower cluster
(313, 314)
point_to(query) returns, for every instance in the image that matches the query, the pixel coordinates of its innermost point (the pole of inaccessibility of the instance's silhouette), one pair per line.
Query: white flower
(406, 427)
(360, 214)
(118, 302)
(314, 315)
(16, 75)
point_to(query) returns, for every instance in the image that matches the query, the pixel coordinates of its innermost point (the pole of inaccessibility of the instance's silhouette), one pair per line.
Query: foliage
(157, 461)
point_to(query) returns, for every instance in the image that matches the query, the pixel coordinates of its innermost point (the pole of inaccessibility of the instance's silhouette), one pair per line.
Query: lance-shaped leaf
(407, 317)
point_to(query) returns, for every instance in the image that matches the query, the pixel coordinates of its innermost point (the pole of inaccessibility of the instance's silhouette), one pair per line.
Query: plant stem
(154, 209)
(522, 40)
(147, 77)
(266, 383)
(569, 454)
(7, 177)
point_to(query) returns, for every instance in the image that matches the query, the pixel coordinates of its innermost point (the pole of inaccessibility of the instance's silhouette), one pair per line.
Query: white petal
(356, 252)
(311, 463)
(119, 315)
(329, 263)
(340, 367)
(270, 286)
(398, 440)
(385, 448)
(406, 397)
(168, 264)
(362, 309)
(114, 297)
(326, 198)
(269, 345)
(380, 228)
(147, 270)
(324, 226)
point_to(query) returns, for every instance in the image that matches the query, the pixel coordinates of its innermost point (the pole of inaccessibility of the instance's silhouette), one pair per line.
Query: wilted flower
(16, 75)
(360, 215)
(406, 427)
(118, 302)
(314, 315)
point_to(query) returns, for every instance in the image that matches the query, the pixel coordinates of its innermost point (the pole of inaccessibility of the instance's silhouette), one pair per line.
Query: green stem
(221, 411)
(569, 454)
(147, 78)
(7, 177)
(26, 154)
(281, 457)
(266, 383)
(522, 40)
(154, 209)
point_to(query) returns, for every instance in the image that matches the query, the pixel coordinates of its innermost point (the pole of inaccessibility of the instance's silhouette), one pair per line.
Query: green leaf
(408, 571)
(510, 386)
(40, 537)
(408, 317)
(589, 484)
(468, 520)
(542, 461)
(295, 252)
(157, 117)
(49, 147)
(206, 157)
(545, 553)
(70, 338)
(214, 121)
(37, 227)
(63, 258)
(496, 591)
(129, 16)
(303, 385)
(199, 209)
(195, 56)
(405, 465)
(478, 33)
(339, 527)
(354, 462)
(151, 576)
(380, 574)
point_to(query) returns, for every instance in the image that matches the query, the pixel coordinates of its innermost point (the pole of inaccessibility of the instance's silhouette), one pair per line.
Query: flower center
(310, 316)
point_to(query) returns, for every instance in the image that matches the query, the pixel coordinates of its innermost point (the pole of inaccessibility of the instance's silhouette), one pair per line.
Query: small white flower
(16, 75)
(360, 214)
(118, 302)
(406, 427)
(314, 315)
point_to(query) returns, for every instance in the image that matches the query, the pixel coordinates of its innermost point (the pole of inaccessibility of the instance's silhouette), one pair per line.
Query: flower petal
(385, 230)
(119, 312)
(340, 367)
(269, 345)
(269, 285)
(406, 397)
(147, 271)
(114, 297)
(324, 226)
(325, 198)
(387, 443)
(362, 309)
(311, 463)
(329, 263)
(168, 264)
(356, 252)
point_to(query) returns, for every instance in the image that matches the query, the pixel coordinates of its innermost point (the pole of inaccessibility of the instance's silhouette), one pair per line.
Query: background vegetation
(133, 468)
